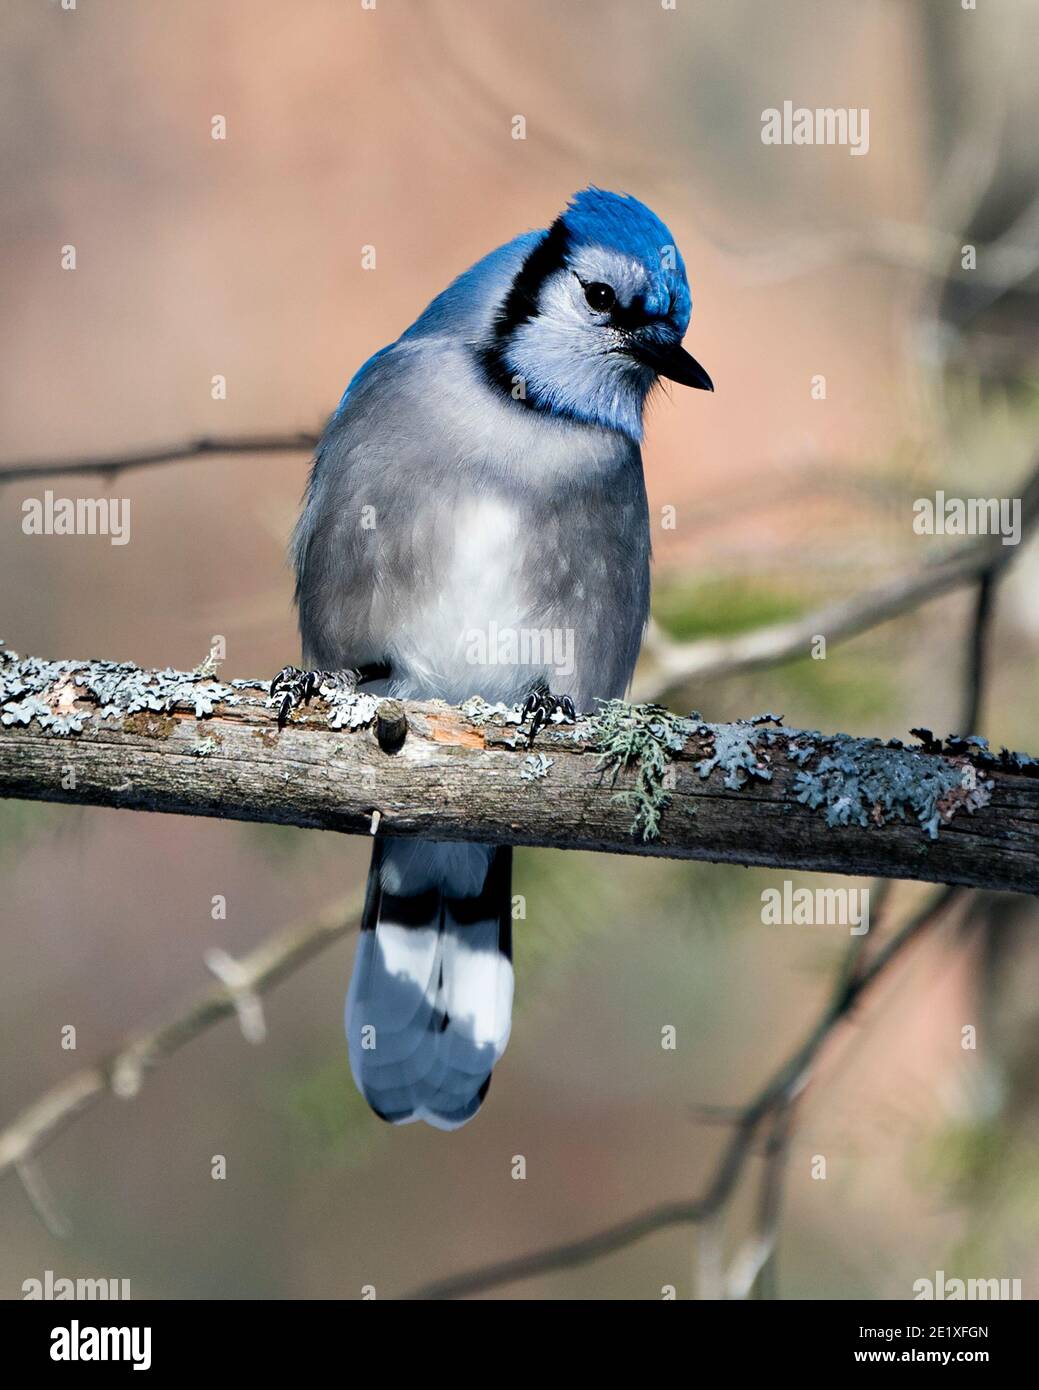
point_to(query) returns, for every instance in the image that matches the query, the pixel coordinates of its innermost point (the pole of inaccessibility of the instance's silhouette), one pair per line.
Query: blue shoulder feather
(465, 307)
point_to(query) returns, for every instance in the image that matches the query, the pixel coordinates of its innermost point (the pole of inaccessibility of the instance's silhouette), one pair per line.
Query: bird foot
(541, 706)
(296, 687)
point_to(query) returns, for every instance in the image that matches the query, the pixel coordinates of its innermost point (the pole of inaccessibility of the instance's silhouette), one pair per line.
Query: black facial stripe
(501, 376)
(521, 302)
(521, 305)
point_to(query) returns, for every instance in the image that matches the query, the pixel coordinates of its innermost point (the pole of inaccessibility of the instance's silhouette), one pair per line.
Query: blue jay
(476, 523)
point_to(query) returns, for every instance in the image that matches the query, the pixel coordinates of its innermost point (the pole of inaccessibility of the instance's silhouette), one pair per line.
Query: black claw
(284, 675)
(298, 687)
(295, 687)
(539, 707)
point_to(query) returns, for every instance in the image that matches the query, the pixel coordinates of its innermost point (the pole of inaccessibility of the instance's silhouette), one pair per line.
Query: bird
(476, 523)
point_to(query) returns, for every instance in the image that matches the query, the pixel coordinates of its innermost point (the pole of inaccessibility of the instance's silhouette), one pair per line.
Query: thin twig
(122, 1071)
(755, 1275)
(672, 664)
(205, 447)
(1009, 263)
(41, 1198)
(784, 1086)
(975, 676)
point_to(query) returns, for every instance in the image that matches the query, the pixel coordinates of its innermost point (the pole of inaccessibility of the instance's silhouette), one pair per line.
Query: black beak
(673, 362)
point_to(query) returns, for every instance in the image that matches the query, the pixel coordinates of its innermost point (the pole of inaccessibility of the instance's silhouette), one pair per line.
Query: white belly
(474, 634)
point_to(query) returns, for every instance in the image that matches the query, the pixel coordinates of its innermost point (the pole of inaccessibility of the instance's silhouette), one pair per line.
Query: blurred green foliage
(325, 1120)
(855, 684)
(722, 605)
(29, 822)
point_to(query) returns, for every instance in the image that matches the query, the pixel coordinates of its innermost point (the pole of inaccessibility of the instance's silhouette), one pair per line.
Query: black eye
(600, 297)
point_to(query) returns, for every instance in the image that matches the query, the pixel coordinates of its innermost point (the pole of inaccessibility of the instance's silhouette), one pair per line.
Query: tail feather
(430, 1003)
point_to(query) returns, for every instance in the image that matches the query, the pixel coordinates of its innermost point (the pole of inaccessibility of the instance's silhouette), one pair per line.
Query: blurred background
(391, 127)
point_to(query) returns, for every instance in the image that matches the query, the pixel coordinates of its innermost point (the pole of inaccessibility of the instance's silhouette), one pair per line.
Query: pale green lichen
(641, 739)
(535, 767)
(479, 712)
(118, 688)
(209, 667)
(737, 752)
(349, 710)
(864, 781)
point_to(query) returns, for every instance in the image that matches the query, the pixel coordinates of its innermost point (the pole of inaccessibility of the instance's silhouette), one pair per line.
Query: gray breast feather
(454, 533)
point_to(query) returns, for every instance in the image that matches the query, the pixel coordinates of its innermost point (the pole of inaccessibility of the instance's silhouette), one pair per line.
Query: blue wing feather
(466, 308)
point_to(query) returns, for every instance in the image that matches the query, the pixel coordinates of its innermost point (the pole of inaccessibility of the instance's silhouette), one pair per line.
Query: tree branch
(774, 1105)
(672, 664)
(121, 1073)
(775, 1098)
(1007, 263)
(974, 678)
(632, 780)
(206, 446)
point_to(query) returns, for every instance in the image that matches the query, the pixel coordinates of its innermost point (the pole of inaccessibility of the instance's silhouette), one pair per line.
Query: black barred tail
(430, 1003)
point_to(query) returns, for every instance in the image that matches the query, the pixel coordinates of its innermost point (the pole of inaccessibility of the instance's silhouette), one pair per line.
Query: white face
(571, 354)
(590, 265)
(565, 304)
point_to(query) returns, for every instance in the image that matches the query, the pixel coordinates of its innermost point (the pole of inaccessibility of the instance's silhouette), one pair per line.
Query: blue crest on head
(617, 220)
